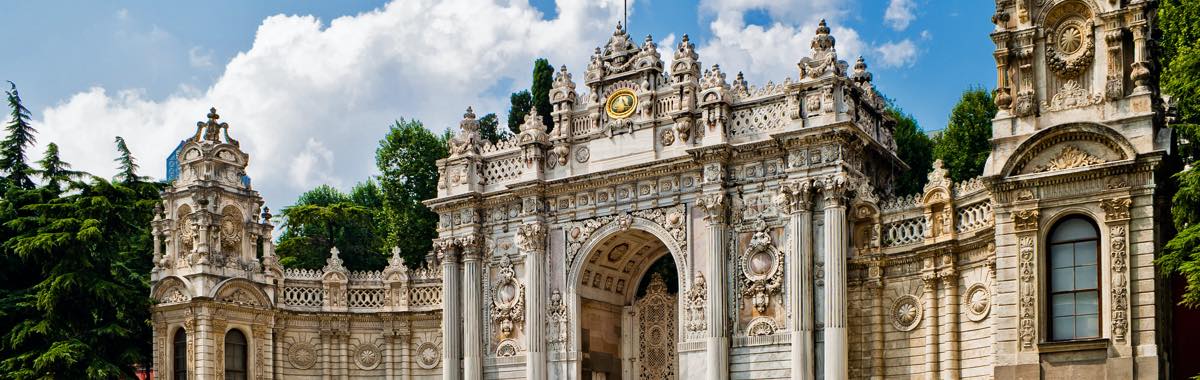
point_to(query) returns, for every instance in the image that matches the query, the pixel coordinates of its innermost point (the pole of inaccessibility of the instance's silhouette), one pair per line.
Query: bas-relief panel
(758, 269)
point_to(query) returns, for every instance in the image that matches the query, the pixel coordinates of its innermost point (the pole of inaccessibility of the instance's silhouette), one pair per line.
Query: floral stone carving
(302, 355)
(428, 356)
(906, 312)
(367, 356)
(979, 302)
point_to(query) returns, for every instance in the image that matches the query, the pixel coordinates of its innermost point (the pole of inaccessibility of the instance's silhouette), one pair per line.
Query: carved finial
(861, 75)
(211, 130)
(266, 214)
(649, 39)
(620, 30)
(470, 113)
(823, 42)
(684, 40)
(212, 115)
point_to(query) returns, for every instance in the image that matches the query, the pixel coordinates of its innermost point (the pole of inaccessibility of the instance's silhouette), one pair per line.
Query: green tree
(1180, 60)
(913, 147)
(323, 218)
(489, 128)
(126, 165)
(520, 103)
(54, 171)
(407, 161)
(543, 81)
(19, 136)
(966, 142)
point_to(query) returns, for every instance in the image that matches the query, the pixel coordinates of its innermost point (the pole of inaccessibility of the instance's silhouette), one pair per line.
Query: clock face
(621, 104)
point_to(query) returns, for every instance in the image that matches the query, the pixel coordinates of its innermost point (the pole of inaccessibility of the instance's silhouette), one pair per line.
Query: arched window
(1074, 280)
(235, 355)
(179, 355)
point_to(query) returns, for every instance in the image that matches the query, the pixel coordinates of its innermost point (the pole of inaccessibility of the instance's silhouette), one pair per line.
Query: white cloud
(771, 53)
(310, 101)
(900, 13)
(198, 57)
(897, 54)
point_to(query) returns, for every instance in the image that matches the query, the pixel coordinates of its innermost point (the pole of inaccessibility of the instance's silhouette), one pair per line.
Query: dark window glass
(235, 355)
(1073, 280)
(179, 355)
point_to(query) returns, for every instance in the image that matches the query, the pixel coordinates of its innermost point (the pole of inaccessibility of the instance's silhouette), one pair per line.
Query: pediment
(1068, 147)
(1070, 155)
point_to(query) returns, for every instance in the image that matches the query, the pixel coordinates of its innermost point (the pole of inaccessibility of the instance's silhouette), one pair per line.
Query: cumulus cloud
(900, 13)
(897, 54)
(310, 101)
(771, 53)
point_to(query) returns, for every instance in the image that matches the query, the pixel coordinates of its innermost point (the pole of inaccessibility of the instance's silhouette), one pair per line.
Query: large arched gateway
(679, 223)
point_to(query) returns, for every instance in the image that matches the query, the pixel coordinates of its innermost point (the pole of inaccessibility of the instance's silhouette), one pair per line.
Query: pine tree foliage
(126, 165)
(966, 142)
(489, 129)
(53, 171)
(19, 136)
(1180, 60)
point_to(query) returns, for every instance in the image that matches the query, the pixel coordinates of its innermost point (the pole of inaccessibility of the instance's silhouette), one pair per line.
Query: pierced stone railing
(425, 295)
(302, 274)
(905, 232)
(303, 297)
(759, 119)
(501, 169)
(974, 217)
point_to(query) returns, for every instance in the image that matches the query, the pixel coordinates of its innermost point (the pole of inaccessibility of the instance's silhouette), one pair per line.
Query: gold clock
(621, 104)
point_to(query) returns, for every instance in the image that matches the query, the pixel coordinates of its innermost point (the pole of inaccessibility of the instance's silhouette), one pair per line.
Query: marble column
(931, 326)
(531, 239)
(949, 344)
(472, 316)
(800, 290)
(451, 311)
(837, 354)
(717, 343)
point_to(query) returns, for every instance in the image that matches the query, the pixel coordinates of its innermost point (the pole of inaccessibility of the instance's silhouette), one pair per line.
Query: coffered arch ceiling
(614, 267)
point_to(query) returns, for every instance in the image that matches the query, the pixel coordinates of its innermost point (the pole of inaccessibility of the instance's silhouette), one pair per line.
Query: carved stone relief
(508, 299)
(428, 355)
(1026, 329)
(979, 302)
(302, 355)
(762, 269)
(694, 303)
(367, 356)
(906, 312)
(1069, 157)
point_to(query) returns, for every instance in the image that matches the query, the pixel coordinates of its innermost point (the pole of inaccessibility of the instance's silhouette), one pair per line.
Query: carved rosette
(367, 356)
(428, 355)
(302, 355)
(1070, 47)
(508, 299)
(978, 300)
(762, 269)
(906, 312)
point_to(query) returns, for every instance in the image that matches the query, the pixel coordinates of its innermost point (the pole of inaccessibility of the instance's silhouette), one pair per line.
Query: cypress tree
(543, 80)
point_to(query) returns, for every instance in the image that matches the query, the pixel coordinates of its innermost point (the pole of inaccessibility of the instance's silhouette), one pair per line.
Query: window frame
(244, 371)
(179, 369)
(1098, 288)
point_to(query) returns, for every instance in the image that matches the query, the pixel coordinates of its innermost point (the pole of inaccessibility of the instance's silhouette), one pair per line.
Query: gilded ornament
(621, 104)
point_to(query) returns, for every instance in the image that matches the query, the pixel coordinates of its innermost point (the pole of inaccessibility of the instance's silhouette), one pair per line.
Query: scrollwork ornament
(762, 269)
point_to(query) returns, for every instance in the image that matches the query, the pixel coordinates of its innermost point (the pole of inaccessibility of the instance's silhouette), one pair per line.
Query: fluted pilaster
(800, 266)
(472, 317)
(451, 311)
(837, 354)
(718, 329)
(531, 238)
(931, 327)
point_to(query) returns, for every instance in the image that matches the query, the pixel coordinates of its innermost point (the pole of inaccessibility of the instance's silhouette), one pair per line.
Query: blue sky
(310, 87)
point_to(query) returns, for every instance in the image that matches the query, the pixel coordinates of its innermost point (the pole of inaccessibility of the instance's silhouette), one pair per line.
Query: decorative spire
(334, 262)
(823, 42)
(861, 75)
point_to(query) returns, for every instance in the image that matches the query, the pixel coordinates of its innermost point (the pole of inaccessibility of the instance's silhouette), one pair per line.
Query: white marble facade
(793, 257)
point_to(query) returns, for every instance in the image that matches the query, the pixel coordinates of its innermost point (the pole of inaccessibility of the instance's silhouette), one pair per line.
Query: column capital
(835, 188)
(795, 197)
(531, 237)
(714, 206)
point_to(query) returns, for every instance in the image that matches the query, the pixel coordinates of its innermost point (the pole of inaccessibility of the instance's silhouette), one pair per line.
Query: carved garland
(557, 319)
(1116, 213)
(1027, 330)
(508, 299)
(694, 301)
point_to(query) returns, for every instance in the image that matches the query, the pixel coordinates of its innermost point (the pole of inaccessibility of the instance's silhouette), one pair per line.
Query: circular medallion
(979, 302)
(621, 104)
(366, 356)
(1070, 39)
(906, 313)
(582, 154)
(302, 355)
(428, 356)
